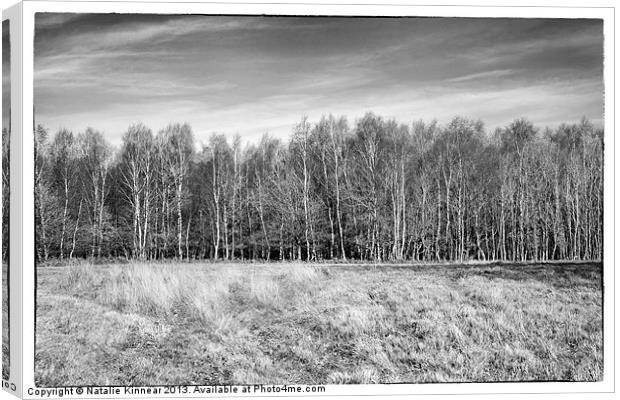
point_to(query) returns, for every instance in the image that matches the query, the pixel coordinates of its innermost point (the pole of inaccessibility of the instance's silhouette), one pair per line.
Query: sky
(6, 73)
(249, 75)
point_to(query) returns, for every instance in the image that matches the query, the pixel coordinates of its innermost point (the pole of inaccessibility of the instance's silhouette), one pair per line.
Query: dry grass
(142, 324)
(5, 323)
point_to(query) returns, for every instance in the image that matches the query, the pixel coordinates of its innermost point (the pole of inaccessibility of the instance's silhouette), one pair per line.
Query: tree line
(378, 190)
(5, 194)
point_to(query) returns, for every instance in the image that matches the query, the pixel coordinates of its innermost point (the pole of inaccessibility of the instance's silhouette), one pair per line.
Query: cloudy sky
(251, 75)
(6, 73)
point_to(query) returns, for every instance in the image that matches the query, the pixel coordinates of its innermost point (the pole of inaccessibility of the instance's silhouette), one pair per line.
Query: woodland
(373, 190)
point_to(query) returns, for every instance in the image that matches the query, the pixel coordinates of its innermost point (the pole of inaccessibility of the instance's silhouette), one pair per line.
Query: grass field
(140, 324)
(5, 322)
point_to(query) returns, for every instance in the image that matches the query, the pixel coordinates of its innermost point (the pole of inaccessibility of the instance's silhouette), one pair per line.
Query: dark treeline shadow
(378, 190)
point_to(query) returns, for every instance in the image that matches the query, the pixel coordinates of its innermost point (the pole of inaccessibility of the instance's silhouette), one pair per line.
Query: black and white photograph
(315, 200)
(6, 135)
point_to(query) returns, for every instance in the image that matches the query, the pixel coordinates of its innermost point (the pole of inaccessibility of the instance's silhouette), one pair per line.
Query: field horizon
(57, 263)
(224, 323)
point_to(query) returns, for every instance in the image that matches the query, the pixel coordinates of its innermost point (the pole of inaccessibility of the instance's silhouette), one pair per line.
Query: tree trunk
(77, 224)
(179, 218)
(189, 222)
(64, 219)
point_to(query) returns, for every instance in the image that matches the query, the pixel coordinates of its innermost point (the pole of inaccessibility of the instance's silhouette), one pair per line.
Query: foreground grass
(145, 324)
(5, 322)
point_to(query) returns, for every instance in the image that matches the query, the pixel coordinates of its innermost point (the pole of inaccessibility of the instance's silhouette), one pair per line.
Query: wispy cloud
(6, 73)
(249, 75)
(482, 75)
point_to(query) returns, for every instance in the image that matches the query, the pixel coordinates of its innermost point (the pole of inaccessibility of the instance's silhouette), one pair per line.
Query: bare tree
(179, 142)
(63, 162)
(95, 160)
(136, 166)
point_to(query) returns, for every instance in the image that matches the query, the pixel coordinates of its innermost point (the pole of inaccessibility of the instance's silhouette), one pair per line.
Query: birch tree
(136, 169)
(178, 150)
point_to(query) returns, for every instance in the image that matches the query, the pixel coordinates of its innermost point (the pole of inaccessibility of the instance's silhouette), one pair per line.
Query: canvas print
(317, 200)
(6, 137)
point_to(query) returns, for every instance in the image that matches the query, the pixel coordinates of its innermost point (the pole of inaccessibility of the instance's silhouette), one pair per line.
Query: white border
(30, 7)
(15, 231)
